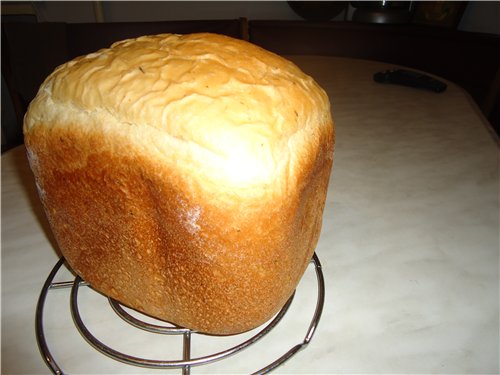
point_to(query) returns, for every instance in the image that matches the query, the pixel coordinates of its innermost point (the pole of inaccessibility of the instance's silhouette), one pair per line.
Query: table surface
(409, 249)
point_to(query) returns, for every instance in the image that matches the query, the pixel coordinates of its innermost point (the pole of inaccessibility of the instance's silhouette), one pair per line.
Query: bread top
(232, 115)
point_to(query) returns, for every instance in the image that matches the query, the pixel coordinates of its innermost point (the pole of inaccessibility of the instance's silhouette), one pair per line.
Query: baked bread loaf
(184, 175)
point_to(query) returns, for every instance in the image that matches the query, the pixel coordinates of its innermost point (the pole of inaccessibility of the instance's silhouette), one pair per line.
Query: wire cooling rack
(187, 362)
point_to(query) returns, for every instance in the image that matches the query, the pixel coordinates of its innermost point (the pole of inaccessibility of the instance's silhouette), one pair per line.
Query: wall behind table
(479, 16)
(139, 11)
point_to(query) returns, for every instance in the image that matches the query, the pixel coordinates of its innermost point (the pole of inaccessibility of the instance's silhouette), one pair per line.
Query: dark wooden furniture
(30, 51)
(472, 60)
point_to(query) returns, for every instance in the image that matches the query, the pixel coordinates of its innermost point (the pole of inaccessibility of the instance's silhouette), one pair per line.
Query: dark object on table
(410, 78)
(445, 14)
(318, 10)
(388, 12)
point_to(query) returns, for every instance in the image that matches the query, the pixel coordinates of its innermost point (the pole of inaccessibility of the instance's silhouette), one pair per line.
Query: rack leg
(186, 355)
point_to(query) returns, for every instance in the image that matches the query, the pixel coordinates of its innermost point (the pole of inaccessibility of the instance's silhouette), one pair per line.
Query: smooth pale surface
(409, 248)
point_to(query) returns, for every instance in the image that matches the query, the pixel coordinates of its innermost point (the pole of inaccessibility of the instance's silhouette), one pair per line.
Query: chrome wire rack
(187, 361)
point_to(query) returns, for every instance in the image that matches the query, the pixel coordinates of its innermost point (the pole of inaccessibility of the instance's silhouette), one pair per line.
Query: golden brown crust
(184, 176)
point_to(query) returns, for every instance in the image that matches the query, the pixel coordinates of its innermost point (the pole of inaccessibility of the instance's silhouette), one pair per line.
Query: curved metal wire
(186, 362)
(153, 328)
(312, 327)
(154, 363)
(40, 335)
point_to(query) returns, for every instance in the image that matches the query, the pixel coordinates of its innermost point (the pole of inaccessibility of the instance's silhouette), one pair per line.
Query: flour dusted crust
(184, 175)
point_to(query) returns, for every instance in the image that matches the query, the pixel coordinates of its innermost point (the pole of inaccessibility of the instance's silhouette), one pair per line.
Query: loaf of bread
(184, 175)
